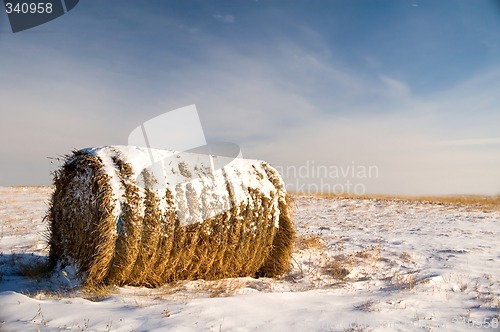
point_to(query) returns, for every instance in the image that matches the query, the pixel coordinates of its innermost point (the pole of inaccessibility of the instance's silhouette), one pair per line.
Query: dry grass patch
(223, 288)
(338, 267)
(367, 306)
(97, 293)
(406, 257)
(309, 242)
(407, 281)
(371, 255)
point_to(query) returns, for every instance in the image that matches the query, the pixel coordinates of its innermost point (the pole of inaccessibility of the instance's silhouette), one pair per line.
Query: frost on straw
(121, 221)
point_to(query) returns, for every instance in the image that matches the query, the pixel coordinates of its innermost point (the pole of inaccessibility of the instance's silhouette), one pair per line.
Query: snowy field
(359, 265)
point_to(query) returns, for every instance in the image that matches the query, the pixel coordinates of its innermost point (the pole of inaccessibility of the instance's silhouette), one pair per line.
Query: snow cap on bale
(122, 219)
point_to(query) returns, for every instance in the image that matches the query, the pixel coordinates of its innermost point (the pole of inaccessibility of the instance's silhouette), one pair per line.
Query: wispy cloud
(395, 87)
(228, 18)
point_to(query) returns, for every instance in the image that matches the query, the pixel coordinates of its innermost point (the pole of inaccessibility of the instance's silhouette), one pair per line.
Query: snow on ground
(359, 265)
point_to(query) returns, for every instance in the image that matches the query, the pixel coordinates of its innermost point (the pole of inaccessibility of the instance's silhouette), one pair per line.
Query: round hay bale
(137, 216)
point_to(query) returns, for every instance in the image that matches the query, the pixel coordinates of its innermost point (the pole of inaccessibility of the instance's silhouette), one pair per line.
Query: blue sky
(410, 87)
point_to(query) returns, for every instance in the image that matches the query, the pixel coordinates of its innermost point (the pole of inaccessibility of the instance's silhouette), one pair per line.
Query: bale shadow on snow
(31, 274)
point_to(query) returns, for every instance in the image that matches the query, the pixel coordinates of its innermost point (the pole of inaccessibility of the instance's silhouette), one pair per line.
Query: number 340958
(31, 8)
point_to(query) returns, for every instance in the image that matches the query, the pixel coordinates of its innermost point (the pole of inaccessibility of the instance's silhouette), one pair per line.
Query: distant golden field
(473, 201)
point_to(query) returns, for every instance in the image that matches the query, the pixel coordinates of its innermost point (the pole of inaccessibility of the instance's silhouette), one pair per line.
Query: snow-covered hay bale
(129, 215)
